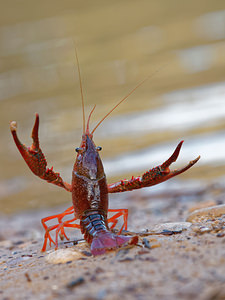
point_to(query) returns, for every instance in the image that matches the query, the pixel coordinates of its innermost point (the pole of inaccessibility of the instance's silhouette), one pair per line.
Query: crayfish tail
(107, 240)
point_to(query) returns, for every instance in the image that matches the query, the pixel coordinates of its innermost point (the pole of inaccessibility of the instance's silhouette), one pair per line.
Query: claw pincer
(35, 158)
(153, 176)
(33, 155)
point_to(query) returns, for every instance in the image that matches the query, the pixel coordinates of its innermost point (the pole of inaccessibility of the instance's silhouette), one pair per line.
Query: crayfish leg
(59, 227)
(114, 219)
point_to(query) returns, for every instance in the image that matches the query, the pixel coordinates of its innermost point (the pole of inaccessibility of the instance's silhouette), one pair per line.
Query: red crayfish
(89, 188)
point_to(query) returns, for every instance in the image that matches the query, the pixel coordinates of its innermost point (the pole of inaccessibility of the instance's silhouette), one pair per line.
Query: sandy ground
(171, 261)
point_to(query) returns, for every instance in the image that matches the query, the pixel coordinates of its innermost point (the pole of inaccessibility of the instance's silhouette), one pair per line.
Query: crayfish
(89, 188)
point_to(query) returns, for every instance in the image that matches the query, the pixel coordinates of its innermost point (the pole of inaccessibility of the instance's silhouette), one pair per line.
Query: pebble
(221, 234)
(17, 260)
(204, 229)
(146, 243)
(174, 227)
(127, 258)
(86, 253)
(63, 256)
(27, 277)
(72, 284)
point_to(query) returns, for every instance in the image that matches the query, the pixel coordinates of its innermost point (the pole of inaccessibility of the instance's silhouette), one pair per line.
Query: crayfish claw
(35, 158)
(154, 176)
(34, 134)
(173, 157)
(188, 166)
(32, 155)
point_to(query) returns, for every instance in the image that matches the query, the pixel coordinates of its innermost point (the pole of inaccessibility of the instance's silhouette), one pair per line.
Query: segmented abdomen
(92, 223)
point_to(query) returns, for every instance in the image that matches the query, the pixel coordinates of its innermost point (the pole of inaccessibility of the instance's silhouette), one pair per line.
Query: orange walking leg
(114, 219)
(59, 227)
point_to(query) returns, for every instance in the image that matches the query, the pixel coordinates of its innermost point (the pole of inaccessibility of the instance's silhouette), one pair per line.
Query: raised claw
(35, 158)
(164, 168)
(33, 155)
(162, 172)
(173, 157)
(154, 176)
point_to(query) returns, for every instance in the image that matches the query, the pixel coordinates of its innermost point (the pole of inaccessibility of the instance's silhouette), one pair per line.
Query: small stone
(204, 229)
(63, 256)
(27, 277)
(221, 234)
(167, 232)
(17, 261)
(54, 287)
(86, 253)
(127, 258)
(17, 243)
(175, 227)
(146, 243)
(72, 284)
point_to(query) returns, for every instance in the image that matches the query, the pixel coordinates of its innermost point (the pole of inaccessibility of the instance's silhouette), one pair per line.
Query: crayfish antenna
(122, 100)
(89, 117)
(81, 88)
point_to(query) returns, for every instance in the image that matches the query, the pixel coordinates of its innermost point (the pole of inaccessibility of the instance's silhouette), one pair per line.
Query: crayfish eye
(98, 148)
(78, 149)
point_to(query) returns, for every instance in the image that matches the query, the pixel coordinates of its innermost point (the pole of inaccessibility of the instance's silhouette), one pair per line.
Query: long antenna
(87, 129)
(131, 92)
(81, 89)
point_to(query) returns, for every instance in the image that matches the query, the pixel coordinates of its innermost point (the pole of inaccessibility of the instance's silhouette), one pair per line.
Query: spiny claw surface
(153, 176)
(33, 155)
(35, 158)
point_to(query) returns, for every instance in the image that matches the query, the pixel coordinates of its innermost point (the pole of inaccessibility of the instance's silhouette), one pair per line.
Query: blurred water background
(182, 43)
